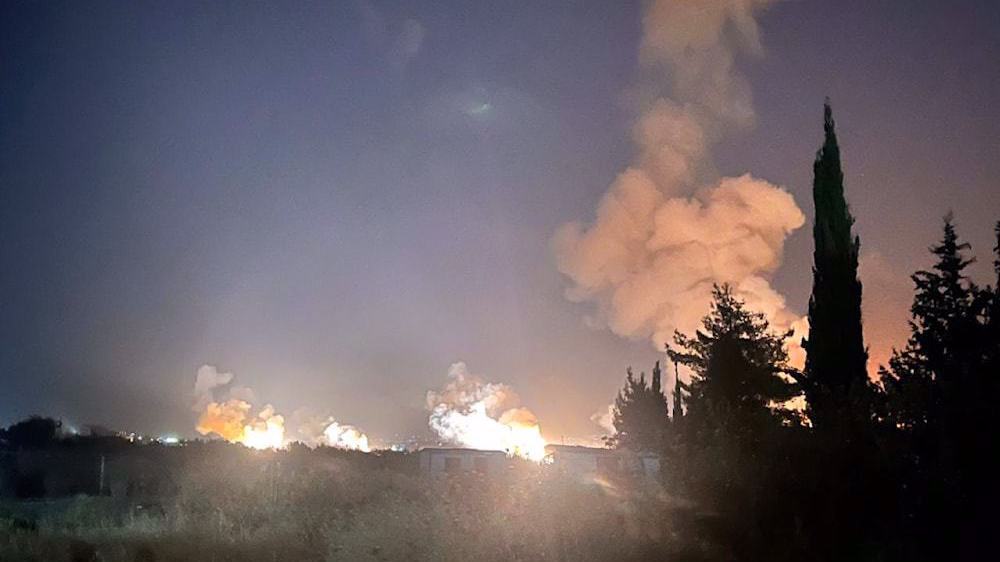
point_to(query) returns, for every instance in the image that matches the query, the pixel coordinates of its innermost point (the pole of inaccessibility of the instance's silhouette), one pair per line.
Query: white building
(453, 461)
(588, 462)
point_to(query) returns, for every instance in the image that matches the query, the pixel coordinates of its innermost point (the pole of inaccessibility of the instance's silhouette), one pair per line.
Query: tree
(640, 413)
(941, 349)
(835, 380)
(941, 390)
(731, 441)
(993, 308)
(735, 360)
(677, 411)
(32, 433)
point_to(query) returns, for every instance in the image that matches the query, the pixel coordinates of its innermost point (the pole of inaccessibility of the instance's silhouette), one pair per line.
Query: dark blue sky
(336, 200)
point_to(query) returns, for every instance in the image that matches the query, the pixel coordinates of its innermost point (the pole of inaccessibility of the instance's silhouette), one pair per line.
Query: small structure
(589, 462)
(585, 462)
(438, 461)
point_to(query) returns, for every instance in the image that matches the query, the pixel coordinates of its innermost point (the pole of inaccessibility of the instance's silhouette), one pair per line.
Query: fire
(346, 437)
(225, 419)
(225, 410)
(482, 415)
(229, 420)
(267, 432)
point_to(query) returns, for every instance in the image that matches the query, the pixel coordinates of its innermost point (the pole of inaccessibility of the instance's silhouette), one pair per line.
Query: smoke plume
(665, 231)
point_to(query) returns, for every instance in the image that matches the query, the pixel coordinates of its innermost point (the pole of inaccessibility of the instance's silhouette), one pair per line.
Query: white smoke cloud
(665, 231)
(470, 412)
(314, 430)
(605, 419)
(206, 382)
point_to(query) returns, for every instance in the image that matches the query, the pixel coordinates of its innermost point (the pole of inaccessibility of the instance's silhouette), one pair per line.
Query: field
(229, 503)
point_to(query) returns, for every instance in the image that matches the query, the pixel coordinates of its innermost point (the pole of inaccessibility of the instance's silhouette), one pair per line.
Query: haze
(339, 201)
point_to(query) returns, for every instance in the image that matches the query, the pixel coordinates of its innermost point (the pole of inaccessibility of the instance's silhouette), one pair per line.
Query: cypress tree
(835, 380)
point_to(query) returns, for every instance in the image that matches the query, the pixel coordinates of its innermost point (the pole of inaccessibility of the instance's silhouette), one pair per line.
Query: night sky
(338, 200)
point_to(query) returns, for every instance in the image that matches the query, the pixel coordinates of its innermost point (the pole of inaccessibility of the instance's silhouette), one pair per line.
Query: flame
(228, 420)
(229, 417)
(346, 437)
(473, 414)
(267, 432)
(225, 419)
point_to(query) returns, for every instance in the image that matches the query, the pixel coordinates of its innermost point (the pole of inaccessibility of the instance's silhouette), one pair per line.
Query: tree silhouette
(33, 433)
(921, 377)
(993, 309)
(640, 413)
(835, 379)
(677, 410)
(735, 359)
(941, 390)
(731, 433)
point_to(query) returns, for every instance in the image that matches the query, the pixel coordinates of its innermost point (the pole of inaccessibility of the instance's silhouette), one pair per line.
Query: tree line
(904, 467)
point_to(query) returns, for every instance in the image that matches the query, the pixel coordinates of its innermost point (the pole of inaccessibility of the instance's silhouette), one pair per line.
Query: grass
(261, 508)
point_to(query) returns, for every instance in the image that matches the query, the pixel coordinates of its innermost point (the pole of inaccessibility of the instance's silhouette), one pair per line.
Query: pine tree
(940, 395)
(732, 438)
(737, 363)
(835, 379)
(944, 333)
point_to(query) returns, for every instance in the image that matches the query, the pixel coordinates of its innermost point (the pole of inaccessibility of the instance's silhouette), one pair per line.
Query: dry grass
(269, 508)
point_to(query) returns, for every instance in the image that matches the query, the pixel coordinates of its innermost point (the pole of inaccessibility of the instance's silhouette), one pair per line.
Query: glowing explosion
(345, 437)
(230, 418)
(486, 416)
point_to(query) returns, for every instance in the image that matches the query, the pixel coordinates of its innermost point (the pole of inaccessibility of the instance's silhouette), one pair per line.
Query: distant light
(169, 440)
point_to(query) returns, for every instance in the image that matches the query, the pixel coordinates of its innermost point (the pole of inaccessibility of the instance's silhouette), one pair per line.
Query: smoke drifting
(481, 415)
(666, 231)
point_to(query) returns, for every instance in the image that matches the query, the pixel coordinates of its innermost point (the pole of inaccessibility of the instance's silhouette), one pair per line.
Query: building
(589, 462)
(439, 461)
(583, 461)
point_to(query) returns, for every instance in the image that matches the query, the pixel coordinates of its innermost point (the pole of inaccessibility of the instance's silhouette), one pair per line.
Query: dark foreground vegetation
(215, 501)
(901, 468)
